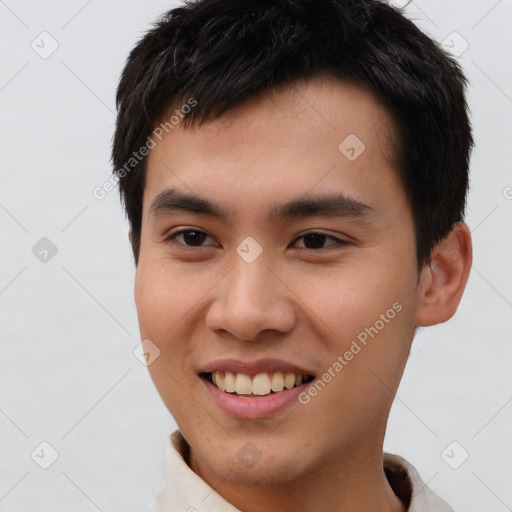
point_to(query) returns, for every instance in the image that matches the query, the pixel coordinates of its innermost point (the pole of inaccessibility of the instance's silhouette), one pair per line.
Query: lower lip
(253, 407)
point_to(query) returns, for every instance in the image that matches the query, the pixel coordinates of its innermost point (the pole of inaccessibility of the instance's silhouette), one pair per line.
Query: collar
(185, 491)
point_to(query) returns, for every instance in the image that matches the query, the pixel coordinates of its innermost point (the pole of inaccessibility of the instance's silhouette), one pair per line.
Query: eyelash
(172, 239)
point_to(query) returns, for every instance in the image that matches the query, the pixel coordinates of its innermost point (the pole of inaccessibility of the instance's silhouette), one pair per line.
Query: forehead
(319, 136)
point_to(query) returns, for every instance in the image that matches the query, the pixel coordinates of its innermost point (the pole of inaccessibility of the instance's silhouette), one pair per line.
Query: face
(292, 257)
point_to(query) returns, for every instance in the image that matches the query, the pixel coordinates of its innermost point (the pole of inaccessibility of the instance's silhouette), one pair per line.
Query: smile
(261, 384)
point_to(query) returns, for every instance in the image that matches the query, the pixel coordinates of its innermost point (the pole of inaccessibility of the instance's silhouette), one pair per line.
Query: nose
(249, 300)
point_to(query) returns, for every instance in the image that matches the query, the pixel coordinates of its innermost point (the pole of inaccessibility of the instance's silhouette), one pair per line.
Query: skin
(203, 302)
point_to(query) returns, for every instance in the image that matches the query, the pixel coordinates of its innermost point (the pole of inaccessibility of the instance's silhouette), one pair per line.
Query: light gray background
(69, 327)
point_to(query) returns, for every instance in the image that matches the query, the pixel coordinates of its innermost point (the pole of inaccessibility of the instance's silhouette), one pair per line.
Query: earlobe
(443, 281)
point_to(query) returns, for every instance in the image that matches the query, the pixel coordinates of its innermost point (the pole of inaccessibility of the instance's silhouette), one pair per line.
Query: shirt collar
(185, 491)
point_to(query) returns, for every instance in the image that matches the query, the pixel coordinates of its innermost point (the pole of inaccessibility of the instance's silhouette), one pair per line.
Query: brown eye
(317, 241)
(190, 237)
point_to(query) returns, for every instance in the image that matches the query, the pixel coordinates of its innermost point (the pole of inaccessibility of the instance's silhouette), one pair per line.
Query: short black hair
(220, 53)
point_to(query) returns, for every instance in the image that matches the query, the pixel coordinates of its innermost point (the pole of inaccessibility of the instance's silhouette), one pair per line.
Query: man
(295, 175)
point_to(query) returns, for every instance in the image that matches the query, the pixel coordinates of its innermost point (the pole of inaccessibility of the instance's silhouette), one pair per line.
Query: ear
(443, 281)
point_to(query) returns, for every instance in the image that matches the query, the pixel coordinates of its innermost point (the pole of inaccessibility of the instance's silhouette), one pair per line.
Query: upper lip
(252, 368)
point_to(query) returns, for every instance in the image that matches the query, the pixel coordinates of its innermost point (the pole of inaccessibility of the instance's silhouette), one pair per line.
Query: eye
(196, 238)
(190, 237)
(316, 241)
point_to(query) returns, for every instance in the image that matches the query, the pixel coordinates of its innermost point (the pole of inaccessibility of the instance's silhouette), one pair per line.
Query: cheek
(367, 319)
(367, 329)
(345, 302)
(165, 296)
(162, 303)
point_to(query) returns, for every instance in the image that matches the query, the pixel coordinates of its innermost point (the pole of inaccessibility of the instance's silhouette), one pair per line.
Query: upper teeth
(261, 384)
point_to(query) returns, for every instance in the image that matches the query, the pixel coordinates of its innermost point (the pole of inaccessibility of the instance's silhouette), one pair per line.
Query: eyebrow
(332, 205)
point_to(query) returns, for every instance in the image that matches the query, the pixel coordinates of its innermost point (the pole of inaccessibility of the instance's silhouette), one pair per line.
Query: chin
(267, 469)
(260, 475)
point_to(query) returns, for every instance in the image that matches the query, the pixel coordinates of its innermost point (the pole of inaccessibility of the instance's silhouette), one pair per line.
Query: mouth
(260, 385)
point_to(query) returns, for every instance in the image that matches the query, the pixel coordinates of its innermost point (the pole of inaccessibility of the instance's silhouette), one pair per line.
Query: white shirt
(185, 491)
